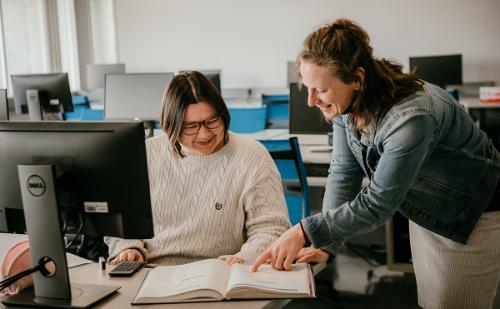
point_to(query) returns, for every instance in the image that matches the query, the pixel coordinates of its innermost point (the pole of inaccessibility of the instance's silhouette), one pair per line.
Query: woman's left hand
(233, 259)
(312, 255)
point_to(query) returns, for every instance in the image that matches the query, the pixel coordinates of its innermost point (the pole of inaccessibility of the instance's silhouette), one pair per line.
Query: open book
(212, 280)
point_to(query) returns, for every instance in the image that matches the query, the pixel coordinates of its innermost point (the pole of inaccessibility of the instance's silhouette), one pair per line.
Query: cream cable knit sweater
(228, 203)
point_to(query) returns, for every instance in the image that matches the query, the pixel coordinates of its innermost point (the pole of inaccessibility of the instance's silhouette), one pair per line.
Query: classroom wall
(252, 40)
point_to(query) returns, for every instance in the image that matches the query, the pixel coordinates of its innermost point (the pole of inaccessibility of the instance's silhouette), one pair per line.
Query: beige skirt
(453, 275)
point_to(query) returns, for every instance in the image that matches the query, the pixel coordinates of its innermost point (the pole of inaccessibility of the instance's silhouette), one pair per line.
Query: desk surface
(475, 103)
(91, 273)
(308, 144)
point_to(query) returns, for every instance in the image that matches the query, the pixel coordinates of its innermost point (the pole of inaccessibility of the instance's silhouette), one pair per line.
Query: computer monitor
(96, 74)
(135, 96)
(4, 105)
(439, 70)
(96, 172)
(41, 94)
(304, 119)
(212, 75)
(290, 73)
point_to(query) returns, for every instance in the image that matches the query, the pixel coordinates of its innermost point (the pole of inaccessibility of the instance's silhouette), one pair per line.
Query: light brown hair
(342, 47)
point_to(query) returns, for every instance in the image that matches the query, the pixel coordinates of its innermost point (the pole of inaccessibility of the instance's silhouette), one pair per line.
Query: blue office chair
(247, 119)
(286, 155)
(277, 110)
(79, 104)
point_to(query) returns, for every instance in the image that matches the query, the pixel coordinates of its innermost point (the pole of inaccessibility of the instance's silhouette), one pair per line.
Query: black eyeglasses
(192, 128)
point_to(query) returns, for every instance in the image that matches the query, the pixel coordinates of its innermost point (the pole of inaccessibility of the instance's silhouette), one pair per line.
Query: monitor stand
(45, 238)
(34, 106)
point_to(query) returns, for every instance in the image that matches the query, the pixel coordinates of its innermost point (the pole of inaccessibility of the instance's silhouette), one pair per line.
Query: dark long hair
(187, 88)
(342, 47)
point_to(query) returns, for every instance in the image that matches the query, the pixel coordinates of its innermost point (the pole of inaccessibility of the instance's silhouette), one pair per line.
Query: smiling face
(206, 141)
(325, 91)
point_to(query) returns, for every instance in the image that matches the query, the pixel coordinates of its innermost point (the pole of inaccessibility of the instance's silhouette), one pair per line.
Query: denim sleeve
(345, 174)
(405, 146)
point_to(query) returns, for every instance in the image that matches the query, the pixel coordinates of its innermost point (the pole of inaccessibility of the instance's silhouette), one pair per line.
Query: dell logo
(35, 185)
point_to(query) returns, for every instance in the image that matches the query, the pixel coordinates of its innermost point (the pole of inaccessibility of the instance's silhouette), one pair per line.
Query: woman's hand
(233, 259)
(130, 255)
(312, 255)
(283, 251)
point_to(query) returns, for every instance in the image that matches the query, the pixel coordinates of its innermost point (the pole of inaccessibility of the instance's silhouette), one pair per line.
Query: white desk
(92, 274)
(470, 103)
(7, 240)
(307, 143)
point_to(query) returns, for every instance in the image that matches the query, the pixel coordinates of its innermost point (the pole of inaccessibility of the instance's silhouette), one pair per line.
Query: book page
(167, 281)
(269, 282)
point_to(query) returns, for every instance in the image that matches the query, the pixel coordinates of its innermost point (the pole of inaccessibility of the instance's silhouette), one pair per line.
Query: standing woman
(214, 194)
(424, 157)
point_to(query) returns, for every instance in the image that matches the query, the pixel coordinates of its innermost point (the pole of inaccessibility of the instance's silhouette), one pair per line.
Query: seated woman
(214, 194)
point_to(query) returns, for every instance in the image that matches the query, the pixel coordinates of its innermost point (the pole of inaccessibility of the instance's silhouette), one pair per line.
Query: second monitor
(135, 96)
(41, 94)
(305, 119)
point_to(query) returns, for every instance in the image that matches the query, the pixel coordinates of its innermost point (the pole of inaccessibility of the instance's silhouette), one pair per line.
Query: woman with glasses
(214, 194)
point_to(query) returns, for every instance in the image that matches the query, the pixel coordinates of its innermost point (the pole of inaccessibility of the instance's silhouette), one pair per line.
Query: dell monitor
(439, 70)
(42, 95)
(56, 171)
(96, 74)
(304, 119)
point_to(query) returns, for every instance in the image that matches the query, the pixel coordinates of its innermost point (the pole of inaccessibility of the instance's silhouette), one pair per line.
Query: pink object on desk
(15, 260)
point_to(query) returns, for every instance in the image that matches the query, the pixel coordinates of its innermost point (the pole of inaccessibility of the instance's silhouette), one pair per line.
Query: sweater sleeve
(117, 245)
(266, 215)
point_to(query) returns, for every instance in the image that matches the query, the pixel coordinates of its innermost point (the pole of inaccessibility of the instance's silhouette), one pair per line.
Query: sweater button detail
(218, 206)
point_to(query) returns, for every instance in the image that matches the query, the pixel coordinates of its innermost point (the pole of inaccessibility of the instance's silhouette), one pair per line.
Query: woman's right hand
(130, 255)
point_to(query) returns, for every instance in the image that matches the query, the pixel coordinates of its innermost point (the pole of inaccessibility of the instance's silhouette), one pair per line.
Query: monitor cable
(40, 267)
(78, 231)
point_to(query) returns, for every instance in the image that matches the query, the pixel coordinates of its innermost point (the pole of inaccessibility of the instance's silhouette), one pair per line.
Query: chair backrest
(277, 110)
(247, 119)
(286, 155)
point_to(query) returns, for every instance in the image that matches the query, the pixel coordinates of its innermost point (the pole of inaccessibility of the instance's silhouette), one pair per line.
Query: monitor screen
(53, 92)
(135, 96)
(101, 174)
(304, 119)
(96, 73)
(438, 70)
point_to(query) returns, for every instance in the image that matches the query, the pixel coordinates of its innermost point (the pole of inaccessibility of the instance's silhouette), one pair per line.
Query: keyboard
(126, 269)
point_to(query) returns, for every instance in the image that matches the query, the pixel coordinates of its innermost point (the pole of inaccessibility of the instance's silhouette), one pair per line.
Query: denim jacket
(425, 158)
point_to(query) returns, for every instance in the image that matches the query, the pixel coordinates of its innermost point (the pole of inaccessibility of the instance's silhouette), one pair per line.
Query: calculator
(126, 269)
